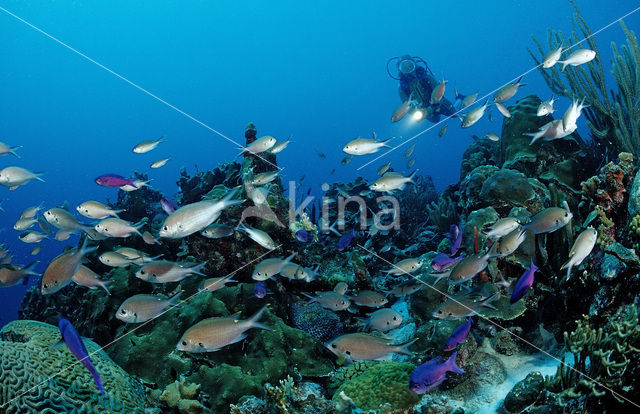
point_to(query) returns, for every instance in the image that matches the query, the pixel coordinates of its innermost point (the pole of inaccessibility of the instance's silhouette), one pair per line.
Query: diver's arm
(446, 108)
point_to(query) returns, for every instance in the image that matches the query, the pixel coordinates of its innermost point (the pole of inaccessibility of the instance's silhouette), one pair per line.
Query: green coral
(379, 385)
(605, 358)
(30, 384)
(268, 357)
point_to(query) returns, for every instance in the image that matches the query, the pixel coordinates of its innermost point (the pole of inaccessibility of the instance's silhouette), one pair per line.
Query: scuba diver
(416, 84)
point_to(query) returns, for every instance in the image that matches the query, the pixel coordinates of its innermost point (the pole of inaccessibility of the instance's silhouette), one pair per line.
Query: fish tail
(84, 249)
(519, 80)
(230, 279)
(253, 321)
(197, 269)
(487, 302)
(403, 348)
(289, 258)
(37, 176)
(29, 269)
(116, 212)
(451, 364)
(97, 379)
(105, 285)
(413, 174)
(12, 151)
(564, 65)
(310, 297)
(175, 299)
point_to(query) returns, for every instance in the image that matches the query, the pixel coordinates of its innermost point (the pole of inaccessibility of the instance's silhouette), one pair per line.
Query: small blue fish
(524, 283)
(74, 342)
(455, 237)
(432, 373)
(304, 236)
(345, 240)
(260, 290)
(443, 261)
(458, 336)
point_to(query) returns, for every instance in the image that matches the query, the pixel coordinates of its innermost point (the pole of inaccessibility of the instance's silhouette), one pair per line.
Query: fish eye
(165, 228)
(450, 314)
(122, 311)
(154, 275)
(142, 272)
(334, 346)
(395, 318)
(200, 344)
(440, 312)
(566, 214)
(55, 282)
(184, 343)
(348, 352)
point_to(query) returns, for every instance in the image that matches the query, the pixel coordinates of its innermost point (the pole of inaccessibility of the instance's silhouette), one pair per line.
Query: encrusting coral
(37, 378)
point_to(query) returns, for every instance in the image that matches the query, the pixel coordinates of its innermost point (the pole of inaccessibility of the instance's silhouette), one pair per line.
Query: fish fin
(13, 149)
(289, 258)
(13, 187)
(253, 321)
(84, 250)
(116, 212)
(37, 176)
(229, 279)
(451, 363)
(403, 348)
(413, 174)
(197, 269)
(564, 65)
(385, 145)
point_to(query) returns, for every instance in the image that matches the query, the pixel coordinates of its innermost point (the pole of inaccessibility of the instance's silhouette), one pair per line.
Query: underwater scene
(319, 207)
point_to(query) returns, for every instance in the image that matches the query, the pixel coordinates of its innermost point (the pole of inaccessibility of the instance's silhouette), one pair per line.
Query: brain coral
(28, 362)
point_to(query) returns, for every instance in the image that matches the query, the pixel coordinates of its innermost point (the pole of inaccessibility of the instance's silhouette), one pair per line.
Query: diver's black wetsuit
(419, 85)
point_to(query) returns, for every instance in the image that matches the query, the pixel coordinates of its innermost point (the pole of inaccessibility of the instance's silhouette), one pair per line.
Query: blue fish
(74, 342)
(304, 236)
(260, 290)
(524, 283)
(458, 336)
(455, 237)
(345, 240)
(432, 373)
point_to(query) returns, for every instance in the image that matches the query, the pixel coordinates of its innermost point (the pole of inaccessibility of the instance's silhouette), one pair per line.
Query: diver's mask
(406, 65)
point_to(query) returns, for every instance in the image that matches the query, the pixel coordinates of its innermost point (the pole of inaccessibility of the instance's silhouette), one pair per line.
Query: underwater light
(418, 115)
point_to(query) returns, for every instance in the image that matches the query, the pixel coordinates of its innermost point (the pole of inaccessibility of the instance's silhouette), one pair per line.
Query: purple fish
(524, 283)
(168, 206)
(74, 342)
(432, 373)
(458, 336)
(304, 236)
(345, 240)
(443, 261)
(260, 290)
(455, 237)
(113, 180)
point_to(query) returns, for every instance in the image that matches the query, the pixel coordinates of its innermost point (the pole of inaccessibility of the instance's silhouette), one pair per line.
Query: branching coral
(605, 358)
(443, 214)
(611, 117)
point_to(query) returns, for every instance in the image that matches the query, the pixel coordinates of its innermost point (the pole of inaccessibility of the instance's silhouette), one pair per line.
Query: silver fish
(579, 57)
(545, 107)
(97, 210)
(507, 91)
(503, 110)
(115, 227)
(548, 220)
(552, 58)
(13, 177)
(211, 334)
(391, 181)
(59, 272)
(364, 347)
(383, 320)
(160, 163)
(215, 283)
(331, 300)
(164, 271)
(363, 146)
(88, 278)
(473, 115)
(261, 144)
(268, 268)
(142, 308)
(146, 146)
(194, 217)
(502, 227)
(63, 220)
(581, 249)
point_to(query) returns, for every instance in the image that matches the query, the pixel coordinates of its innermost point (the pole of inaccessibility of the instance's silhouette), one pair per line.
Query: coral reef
(605, 360)
(380, 385)
(39, 378)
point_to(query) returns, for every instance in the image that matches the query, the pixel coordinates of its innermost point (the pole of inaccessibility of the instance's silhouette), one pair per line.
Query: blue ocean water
(313, 71)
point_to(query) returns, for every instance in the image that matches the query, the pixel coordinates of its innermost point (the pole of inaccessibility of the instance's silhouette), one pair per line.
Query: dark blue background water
(314, 71)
